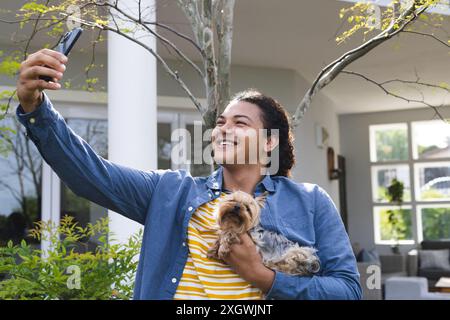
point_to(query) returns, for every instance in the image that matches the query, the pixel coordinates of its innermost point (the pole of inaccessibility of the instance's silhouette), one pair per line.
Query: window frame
(414, 204)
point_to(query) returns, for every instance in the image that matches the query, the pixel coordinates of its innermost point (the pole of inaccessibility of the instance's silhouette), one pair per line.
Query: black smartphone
(65, 45)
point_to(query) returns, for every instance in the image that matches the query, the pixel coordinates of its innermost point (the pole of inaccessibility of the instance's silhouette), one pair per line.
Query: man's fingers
(41, 60)
(44, 85)
(33, 73)
(55, 54)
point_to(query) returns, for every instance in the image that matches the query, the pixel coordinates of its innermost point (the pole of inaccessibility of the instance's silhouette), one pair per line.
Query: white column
(132, 117)
(50, 203)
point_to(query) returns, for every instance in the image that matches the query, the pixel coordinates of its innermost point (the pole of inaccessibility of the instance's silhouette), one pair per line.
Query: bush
(69, 270)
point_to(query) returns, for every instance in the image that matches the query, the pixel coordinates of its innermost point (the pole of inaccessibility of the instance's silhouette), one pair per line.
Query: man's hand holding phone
(44, 62)
(42, 70)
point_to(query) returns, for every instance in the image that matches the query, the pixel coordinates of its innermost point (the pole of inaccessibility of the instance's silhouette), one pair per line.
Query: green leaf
(34, 7)
(9, 66)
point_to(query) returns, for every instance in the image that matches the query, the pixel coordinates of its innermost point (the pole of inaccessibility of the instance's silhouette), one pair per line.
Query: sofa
(411, 288)
(415, 266)
(392, 265)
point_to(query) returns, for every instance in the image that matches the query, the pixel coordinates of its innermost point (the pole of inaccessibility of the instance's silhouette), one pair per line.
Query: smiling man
(179, 211)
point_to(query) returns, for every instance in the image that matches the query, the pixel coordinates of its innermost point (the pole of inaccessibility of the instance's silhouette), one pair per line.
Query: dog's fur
(238, 213)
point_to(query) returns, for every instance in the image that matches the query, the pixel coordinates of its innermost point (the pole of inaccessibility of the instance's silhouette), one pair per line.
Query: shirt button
(184, 244)
(190, 208)
(32, 120)
(174, 280)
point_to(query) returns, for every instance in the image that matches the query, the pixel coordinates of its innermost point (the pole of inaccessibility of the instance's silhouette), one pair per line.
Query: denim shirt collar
(215, 181)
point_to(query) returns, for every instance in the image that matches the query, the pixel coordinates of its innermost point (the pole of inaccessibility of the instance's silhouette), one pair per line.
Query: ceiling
(299, 35)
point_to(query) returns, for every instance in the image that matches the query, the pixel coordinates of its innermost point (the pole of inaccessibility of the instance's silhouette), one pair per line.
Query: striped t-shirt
(205, 278)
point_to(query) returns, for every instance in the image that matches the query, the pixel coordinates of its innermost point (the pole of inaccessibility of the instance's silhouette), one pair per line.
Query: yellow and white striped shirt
(205, 278)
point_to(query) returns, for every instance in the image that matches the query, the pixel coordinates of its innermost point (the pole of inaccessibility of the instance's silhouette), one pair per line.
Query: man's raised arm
(124, 190)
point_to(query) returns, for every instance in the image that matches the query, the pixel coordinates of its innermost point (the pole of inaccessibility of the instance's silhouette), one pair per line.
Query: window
(168, 157)
(390, 143)
(402, 229)
(197, 169)
(433, 181)
(417, 155)
(20, 186)
(382, 177)
(431, 140)
(164, 145)
(435, 221)
(95, 133)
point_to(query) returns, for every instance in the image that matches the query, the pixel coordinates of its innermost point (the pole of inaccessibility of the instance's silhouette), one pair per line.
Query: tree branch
(8, 104)
(166, 67)
(92, 62)
(428, 35)
(382, 85)
(13, 192)
(183, 36)
(158, 36)
(33, 33)
(329, 73)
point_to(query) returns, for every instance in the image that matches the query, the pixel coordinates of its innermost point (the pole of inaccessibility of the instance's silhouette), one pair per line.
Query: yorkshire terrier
(238, 213)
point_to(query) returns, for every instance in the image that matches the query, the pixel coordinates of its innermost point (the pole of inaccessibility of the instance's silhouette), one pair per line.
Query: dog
(238, 213)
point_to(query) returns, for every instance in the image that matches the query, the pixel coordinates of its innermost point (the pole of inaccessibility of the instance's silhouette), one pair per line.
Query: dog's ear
(261, 199)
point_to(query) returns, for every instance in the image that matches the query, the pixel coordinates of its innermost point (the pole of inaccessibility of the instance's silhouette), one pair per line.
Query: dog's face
(239, 211)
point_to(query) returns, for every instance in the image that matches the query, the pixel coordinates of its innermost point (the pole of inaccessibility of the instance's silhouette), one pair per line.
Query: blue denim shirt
(164, 200)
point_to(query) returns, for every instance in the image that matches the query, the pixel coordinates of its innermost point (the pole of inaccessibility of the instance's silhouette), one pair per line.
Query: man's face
(235, 138)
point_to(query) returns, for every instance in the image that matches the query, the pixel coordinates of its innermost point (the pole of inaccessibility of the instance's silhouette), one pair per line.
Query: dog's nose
(236, 208)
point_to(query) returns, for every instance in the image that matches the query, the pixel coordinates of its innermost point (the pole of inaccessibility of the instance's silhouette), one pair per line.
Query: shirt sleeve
(124, 190)
(339, 277)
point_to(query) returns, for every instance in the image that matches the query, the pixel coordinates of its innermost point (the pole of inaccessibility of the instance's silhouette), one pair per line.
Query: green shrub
(69, 270)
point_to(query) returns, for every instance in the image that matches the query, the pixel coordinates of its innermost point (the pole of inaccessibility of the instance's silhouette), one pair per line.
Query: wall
(311, 160)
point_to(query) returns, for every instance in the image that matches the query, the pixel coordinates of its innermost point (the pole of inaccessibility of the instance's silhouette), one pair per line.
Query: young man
(178, 210)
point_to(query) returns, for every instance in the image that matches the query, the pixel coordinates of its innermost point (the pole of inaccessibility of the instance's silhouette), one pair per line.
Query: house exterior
(131, 119)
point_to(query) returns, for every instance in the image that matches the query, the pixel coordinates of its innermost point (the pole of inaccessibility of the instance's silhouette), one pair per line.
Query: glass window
(95, 133)
(20, 186)
(431, 139)
(382, 177)
(197, 169)
(435, 222)
(389, 142)
(432, 181)
(164, 146)
(393, 224)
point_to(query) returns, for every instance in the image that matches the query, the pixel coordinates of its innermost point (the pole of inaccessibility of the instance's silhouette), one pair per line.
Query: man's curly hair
(274, 116)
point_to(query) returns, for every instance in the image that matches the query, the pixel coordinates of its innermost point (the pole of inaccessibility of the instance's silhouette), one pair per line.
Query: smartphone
(65, 45)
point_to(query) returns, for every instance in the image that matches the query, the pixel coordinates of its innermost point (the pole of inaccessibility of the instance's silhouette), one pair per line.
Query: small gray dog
(239, 212)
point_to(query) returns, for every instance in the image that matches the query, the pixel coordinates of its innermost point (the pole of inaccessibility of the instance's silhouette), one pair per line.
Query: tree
(399, 17)
(212, 25)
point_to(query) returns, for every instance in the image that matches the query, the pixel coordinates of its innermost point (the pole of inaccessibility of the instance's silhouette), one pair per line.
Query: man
(167, 202)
